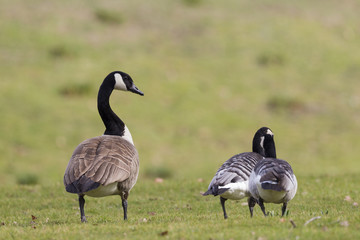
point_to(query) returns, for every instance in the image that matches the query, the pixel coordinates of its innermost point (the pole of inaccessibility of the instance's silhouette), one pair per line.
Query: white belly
(103, 191)
(236, 191)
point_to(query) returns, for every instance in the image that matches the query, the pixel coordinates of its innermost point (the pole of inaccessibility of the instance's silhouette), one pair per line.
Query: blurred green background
(213, 72)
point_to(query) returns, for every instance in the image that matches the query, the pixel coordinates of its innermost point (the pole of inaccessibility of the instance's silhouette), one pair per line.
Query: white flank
(253, 182)
(127, 135)
(119, 82)
(236, 191)
(103, 191)
(293, 190)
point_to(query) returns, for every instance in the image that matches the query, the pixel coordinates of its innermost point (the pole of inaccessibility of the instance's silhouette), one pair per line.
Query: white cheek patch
(269, 132)
(119, 82)
(262, 141)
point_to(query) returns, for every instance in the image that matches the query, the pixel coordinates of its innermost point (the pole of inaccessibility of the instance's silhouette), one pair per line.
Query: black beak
(134, 89)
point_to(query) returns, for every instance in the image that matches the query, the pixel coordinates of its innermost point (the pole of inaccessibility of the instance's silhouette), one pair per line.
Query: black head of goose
(232, 178)
(108, 164)
(272, 181)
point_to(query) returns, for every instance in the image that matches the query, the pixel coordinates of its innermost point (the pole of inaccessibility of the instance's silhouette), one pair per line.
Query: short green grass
(212, 72)
(177, 210)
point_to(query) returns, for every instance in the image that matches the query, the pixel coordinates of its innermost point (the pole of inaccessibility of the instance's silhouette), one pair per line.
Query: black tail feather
(82, 185)
(222, 190)
(215, 190)
(208, 192)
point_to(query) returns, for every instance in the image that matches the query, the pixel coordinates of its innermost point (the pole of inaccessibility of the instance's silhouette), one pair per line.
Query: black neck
(113, 124)
(269, 147)
(268, 150)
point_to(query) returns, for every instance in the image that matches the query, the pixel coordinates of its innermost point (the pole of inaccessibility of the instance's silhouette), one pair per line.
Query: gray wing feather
(236, 169)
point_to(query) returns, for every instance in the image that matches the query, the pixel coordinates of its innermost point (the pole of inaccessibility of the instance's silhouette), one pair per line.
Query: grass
(212, 74)
(176, 210)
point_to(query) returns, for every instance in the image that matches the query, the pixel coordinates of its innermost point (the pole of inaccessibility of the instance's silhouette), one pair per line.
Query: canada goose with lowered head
(108, 164)
(272, 181)
(232, 178)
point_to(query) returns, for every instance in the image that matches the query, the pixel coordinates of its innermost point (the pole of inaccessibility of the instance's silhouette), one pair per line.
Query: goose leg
(222, 201)
(261, 204)
(283, 209)
(81, 204)
(251, 204)
(124, 197)
(124, 205)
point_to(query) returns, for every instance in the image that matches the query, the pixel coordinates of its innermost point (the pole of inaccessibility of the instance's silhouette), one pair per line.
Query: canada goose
(272, 181)
(108, 164)
(232, 178)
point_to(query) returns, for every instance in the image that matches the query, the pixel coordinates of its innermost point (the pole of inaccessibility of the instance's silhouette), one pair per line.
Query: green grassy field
(212, 72)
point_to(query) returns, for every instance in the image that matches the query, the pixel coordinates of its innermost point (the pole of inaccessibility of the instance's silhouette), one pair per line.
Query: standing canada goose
(108, 164)
(232, 179)
(272, 181)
